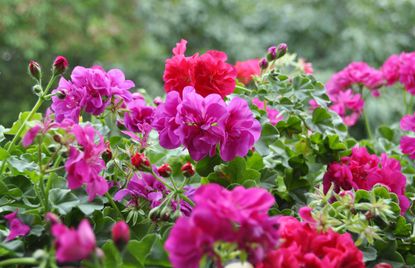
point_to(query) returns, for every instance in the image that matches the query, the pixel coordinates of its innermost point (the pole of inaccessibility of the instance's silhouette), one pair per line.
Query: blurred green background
(137, 36)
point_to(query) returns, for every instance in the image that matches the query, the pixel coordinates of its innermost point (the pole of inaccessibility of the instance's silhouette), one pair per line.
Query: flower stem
(187, 199)
(107, 195)
(367, 124)
(35, 108)
(18, 261)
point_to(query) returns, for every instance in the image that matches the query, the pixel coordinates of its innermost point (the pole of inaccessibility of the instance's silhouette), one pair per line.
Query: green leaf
(369, 254)
(205, 166)
(137, 251)
(255, 161)
(268, 135)
(2, 131)
(89, 207)
(63, 200)
(386, 132)
(4, 154)
(320, 115)
(22, 117)
(21, 164)
(112, 255)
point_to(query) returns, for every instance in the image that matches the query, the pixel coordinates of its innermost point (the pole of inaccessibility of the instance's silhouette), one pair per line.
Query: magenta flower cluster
(85, 163)
(239, 216)
(146, 187)
(407, 143)
(202, 123)
(89, 90)
(346, 102)
(400, 68)
(362, 170)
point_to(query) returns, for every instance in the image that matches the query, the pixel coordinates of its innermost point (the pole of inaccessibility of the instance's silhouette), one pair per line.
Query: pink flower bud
(120, 234)
(263, 63)
(272, 53)
(35, 70)
(383, 265)
(157, 101)
(140, 162)
(59, 65)
(282, 50)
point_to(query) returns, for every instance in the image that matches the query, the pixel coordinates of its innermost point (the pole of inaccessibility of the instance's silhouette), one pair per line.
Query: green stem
(35, 108)
(161, 180)
(21, 261)
(410, 104)
(367, 124)
(244, 89)
(107, 195)
(187, 199)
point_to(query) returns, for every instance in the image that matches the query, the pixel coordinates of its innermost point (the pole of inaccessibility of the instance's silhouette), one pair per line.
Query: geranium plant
(245, 165)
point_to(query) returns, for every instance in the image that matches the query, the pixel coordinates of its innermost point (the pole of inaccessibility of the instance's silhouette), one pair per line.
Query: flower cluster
(347, 103)
(362, 170)
(89, 90)
(400, 68)
(303, 246)
(246, 70)
(146, 187)
(16, 226)
(208, 73)
(200, 124)
(85, 163)
(221, 216)
(407, 143)
(73, 244)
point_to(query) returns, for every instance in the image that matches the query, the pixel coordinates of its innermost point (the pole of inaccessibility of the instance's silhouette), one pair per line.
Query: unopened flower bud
(157, 101)
(59, 65)
(140, 162)
(52, 218)
(120, 234)
(57, 138)
(37, 90)
(263, 63)
(282, 50)
(107, 154)
(272, 53)
(99, 253)
(35, 70)
(188, 170)
(164, 170)
(154, 214)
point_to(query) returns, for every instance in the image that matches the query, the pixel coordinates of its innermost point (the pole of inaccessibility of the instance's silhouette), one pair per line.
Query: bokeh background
(137, 36)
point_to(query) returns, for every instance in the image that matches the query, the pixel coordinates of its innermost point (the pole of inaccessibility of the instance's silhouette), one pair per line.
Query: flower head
(85, 162)
(303, 246)
(391, 69)
(238, 216)
(60, 64)
(208, 73)
(73, 244)
(246, 70)
(16, 226)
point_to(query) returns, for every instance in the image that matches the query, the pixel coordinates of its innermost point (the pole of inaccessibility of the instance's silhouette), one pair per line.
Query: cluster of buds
(59, 66)
(273, 54)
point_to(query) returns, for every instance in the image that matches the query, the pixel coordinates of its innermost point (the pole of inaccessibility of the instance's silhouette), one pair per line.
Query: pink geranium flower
(71, 244)
(241, 128)
(391, 69)
(303, 246)
(85, 163)
(16, 226)
(273, 115)
(348, 105)
(208, 73)
(362, 170)
(247, 69)
(238, 216)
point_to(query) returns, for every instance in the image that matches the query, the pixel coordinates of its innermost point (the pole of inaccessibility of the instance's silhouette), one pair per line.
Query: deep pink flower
(208, 73)
(85, 163)
(16, 226)
(407, 71)
(362, 170)
(241, 128)
(356, 73)
(139, 118)
(67, 101)
(348, 106)
(73, 245)
(273, 115)
(165, 121)
(407, 145)
(304, 246)
(247, 69)
(202, 123)
(30, 135)
(391, 69)
(408, 123)
(307, 66)
(238, 216)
